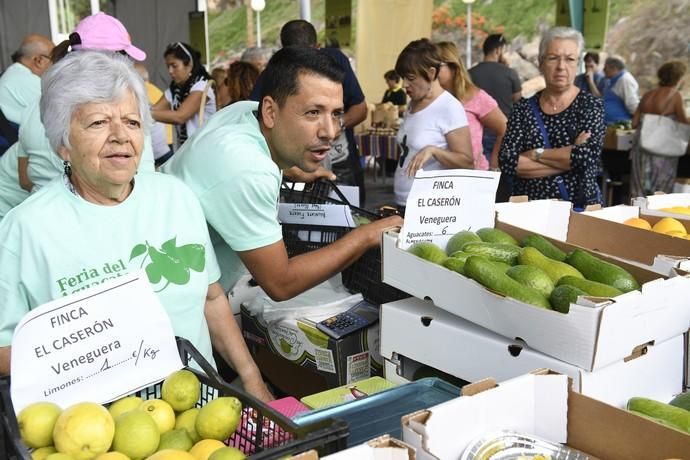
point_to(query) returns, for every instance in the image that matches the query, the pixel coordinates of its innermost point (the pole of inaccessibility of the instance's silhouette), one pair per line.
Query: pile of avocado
(675, 414)
(535, 272)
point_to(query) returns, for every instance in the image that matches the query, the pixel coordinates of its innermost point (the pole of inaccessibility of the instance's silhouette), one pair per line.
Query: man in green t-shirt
(234, 164)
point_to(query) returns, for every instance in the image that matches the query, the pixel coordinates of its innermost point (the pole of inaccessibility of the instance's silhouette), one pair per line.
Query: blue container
(380, 413)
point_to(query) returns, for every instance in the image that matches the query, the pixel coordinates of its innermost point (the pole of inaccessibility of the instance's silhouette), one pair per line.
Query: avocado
(460, 255)
(499, 252)
(494, 235)
(544, 246)
(562, 296)
(682, 400)
(457, 241)
(664, 413)
(489, 275)
(533, 277)
(595, 269)
(428, 251)
(455, 264)
(592, 288)
(555, 269)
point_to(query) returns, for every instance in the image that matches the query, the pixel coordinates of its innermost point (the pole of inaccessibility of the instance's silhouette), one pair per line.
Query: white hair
(83, 77)
(560, 33)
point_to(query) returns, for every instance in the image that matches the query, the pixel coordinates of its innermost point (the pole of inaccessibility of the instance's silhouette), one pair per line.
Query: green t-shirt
(19, 89)
(89, 244)
(229, 167)
(11, 194)
(44, 163)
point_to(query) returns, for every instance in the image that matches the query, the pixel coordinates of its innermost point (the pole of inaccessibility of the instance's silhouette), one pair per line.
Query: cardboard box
(594, 334)
(301, 360)
(601, 230)
(413, 329)
(618, 139)
(651, 205)
(540, 405)
(381, 448)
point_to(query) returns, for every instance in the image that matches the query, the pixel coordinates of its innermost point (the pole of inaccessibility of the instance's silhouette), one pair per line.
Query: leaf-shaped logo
(170, 262)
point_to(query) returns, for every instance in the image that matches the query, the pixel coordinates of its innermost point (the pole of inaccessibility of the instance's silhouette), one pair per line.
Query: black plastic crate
(263, 433)
(314, 193)
(364, 276)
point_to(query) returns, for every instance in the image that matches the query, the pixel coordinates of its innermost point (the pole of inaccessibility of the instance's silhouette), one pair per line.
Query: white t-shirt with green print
(56, 243)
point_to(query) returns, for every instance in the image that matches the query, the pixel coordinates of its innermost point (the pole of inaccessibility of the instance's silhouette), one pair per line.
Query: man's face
(610, 71)
(301, 131)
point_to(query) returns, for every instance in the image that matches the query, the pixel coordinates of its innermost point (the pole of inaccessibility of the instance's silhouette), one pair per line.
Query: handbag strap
(547, 144)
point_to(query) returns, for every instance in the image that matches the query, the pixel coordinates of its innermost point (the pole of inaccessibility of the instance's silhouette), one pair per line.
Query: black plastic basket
(263, 433)
(364, 276)
(314, 193)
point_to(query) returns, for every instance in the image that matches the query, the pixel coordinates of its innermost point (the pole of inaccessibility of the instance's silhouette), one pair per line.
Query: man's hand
(257, 388)
(295, 174)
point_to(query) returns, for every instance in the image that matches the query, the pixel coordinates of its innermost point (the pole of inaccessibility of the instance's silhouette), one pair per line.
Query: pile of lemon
(170, 428)
(667, 226)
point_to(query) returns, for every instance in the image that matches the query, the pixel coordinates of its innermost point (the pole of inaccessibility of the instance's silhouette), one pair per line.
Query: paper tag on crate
(442, 203)
(333, 215)
(97, 345)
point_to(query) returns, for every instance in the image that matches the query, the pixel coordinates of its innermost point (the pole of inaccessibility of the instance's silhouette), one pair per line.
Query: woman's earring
(67, 167)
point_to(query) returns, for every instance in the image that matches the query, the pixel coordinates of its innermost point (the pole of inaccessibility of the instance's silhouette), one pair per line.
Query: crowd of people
(85, 132)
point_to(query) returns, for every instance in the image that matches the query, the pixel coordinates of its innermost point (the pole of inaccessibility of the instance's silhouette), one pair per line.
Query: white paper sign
(334, 215)
(97, 345)
(442, 203)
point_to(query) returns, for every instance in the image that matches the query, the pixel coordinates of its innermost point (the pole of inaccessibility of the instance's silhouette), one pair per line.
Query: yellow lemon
(203, 449)
(187, 420)
(36, 422)
(113, 456)
(181, 390)
(136, 435)
(42, 453)
(677, 234)
(171, 454)
(84, 431)
(219, 418)
(178, 439)
(59, 456)
(123, 405)
(669, 224)
(161, 412)
(228, 453)
(639, 223)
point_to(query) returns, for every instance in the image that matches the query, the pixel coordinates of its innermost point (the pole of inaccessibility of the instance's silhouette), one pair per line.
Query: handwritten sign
(442, 203)
(334, 215)
(97, 345)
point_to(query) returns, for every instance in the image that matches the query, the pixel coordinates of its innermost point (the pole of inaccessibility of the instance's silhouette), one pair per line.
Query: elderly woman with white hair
(553, 142)
(95, 113)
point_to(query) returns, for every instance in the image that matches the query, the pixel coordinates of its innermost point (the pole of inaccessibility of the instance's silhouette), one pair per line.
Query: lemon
(113, 456)
(171, 454)
(84, 431)
(203, 449)
(36, 422)
(59, 456)
(181, 390)
(42, 453)
(123, 405)
(639, 223)
(669, 224)
(136, 435)
(161, 413)
(219, 418)
(677, 234)
(227, 453)
(176, 439)
(187, 420)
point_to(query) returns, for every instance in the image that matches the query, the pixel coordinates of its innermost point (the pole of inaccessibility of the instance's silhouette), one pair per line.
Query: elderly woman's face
(559, 63)
(107, 139)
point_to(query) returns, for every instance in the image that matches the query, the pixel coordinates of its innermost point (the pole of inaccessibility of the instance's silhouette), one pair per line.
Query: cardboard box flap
(531, 404)
(308, 455)
(477, 387)
(664, 200)
(382, 448)
(546, 217)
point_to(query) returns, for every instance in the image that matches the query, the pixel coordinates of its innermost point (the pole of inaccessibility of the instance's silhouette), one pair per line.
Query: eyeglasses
(184, 48)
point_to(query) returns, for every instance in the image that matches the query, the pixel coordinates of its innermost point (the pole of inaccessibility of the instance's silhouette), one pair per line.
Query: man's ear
(269, 109)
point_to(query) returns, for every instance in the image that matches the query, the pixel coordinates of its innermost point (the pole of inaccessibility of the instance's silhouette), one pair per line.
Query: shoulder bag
(661, 135)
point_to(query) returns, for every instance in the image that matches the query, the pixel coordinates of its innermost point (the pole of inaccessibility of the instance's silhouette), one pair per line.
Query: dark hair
(594, 56)
(671, 72)
(185, 53)
(493, 42)
(392, 75)
(240, 80)
(417, 58)
(282, 72)
(298, 32)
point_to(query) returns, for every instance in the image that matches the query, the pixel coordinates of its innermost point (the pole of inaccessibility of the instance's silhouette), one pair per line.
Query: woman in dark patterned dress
(552, 146)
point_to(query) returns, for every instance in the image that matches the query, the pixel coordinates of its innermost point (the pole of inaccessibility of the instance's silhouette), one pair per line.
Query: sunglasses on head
(184, 48)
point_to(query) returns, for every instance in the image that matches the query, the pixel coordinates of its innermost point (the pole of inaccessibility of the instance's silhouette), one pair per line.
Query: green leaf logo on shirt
(170, 262)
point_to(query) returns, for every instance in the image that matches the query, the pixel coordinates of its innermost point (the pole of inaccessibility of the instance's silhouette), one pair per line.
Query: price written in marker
(97, 345)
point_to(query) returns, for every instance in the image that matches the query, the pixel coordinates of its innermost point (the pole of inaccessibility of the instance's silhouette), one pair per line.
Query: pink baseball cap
(103, 32)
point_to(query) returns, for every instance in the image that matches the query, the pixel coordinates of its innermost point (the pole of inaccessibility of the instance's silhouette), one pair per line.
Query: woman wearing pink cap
(181, 103)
